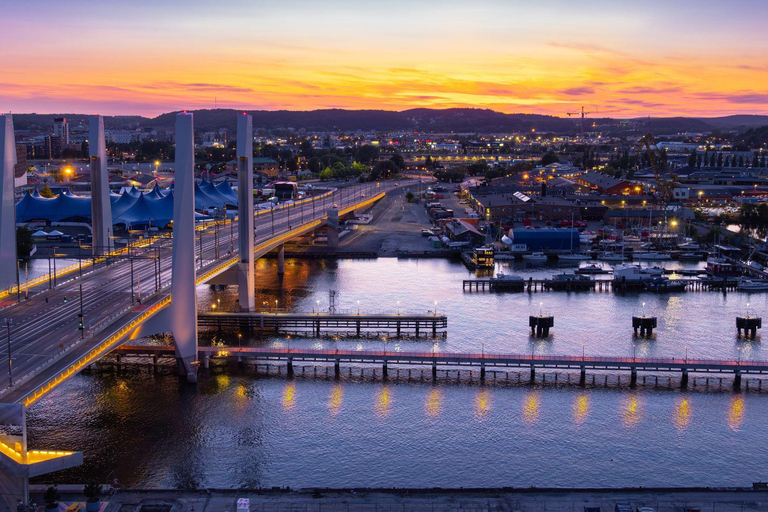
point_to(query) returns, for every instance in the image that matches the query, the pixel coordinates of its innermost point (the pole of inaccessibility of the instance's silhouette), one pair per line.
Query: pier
(318, 323)
(598, 285)
(482, 361)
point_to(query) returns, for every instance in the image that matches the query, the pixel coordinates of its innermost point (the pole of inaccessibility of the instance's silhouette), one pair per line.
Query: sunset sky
(651, 57)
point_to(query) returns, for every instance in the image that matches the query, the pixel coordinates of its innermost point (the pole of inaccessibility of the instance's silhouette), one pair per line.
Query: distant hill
(455, 120)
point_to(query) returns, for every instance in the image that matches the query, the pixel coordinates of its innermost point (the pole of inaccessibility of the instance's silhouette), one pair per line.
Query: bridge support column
(183, 309)
(332, 228)
(633, 377)
(101, 206)
(482, 371)
(434, 370)
(290, 367)
(206, 361)
(533, 374)
(582, 376)
(358, 328)
(737, 379)
(281, 259)
(246, 290)
(684, 379)
(337, 368)
(384, 369)
(317, 328)
(398, 328)
(8, 256)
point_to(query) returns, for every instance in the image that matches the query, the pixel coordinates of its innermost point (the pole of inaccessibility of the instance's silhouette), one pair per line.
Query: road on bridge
(44, 335)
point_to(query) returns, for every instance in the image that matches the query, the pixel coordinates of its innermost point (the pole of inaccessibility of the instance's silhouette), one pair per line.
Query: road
(44, 328)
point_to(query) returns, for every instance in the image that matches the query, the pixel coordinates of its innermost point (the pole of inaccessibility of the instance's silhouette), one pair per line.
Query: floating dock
(318, 323)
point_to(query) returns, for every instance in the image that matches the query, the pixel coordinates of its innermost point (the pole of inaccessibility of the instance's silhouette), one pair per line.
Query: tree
(367, 154)
(92, 491)
(24, 241)
(692, 159)
(741, 160)
(549, 158)
(719, 159)
(398, 160)
(51, 497)
(755, 161)
(47, 192)
(326, 174)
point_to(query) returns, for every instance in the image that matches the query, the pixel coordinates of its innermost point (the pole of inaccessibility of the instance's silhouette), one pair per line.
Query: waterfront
(238, 429)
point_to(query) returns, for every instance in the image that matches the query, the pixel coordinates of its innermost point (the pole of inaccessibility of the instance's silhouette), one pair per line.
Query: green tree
(314, 165)
(398, 160)
(692, 159)
(549, 158)
(326, 174)
(367, 154)
(47, 192)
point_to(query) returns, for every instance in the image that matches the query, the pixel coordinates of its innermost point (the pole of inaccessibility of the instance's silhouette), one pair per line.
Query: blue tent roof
(132, 208)
(226, 191)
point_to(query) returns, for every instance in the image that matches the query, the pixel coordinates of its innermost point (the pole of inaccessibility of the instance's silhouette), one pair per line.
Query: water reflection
(580, 409)
(289, 396)
(383, 402)
(335, 400)
(631, 411)
(531, 408)
(482, 403)
(434, 402)
(682, 415)
(736, 412)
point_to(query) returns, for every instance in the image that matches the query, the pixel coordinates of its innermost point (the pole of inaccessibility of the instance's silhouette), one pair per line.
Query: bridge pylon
(245, 277)
(101, 206)
(8, 262)
(183, 309)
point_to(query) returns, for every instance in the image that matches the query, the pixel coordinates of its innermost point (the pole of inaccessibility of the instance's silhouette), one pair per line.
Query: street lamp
(275, 306)
(435, 308)
(398, 307)
(634, 346)
(358, 307)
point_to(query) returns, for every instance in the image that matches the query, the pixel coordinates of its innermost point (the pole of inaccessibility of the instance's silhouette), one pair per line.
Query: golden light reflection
(383, 402)
(581, 409)
(335, 400)
(736, 412)
(241, 391)
(531, 408)
(482, 403)
(631, 412)
(683, 413)
(222, 381)
(289, 396)
(434, 403)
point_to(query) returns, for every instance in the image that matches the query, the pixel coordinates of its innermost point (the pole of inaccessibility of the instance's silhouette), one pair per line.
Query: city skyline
(651, 59)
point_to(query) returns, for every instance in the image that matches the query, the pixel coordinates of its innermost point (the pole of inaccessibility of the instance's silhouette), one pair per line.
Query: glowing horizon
(702, 58)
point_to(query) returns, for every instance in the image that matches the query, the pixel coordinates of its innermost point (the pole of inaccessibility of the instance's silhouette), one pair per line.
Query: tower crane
(583, 113)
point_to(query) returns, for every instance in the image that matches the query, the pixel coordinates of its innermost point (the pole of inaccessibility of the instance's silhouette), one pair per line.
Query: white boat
(651, 256)
(634, 273)
(577, 256)
(537, 257)
(749, 285)
(754, 265)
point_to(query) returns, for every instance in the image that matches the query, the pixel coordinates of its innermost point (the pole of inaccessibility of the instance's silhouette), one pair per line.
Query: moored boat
(665, 285)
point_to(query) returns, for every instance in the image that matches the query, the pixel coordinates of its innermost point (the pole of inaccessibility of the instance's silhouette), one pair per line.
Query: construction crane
(664, 186)
(583, 113)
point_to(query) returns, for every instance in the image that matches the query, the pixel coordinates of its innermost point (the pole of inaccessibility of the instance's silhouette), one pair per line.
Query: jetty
(318, 323)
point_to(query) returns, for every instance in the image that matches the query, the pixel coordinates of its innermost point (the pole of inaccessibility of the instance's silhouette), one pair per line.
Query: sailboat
(573, 256)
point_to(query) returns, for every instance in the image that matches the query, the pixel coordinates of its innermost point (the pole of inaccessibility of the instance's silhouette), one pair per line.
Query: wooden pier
(598, 285)
(473, 360)
(317, 323)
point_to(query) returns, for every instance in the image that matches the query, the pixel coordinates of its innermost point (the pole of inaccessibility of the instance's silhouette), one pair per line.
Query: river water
(239, 428)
